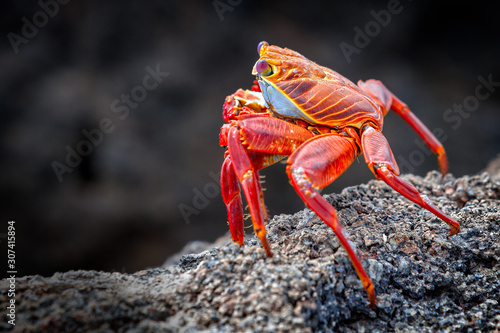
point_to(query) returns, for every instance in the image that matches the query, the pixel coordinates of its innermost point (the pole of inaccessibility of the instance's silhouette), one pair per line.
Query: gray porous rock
(424, 280)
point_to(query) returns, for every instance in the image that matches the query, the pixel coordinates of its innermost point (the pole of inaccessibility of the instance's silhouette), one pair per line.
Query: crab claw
(243, 102)
(228, 108)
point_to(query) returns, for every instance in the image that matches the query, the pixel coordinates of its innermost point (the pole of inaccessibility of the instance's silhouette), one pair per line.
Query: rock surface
(424, 281)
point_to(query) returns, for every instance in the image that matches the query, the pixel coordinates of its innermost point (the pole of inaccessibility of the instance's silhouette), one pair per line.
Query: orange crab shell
(316, 94)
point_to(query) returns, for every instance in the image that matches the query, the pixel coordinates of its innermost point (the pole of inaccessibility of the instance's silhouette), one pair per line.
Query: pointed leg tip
(454, 231)
(267, 248)
(372, 299)
(237, 237)
(454, 227)
(261, 234)
(442, 176)
(443, 164)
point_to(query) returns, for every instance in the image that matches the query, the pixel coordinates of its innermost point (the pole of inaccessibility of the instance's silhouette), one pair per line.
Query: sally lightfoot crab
(321, 121)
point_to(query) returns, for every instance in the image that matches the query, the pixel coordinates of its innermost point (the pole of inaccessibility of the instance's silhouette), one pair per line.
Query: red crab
(322, 122)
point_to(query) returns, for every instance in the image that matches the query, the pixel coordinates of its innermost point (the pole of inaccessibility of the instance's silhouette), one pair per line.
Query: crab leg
(254, 142)
(232, 199)
(231, 193)
(388, 100)
(249, 180)
(380, 160)
(315, 165)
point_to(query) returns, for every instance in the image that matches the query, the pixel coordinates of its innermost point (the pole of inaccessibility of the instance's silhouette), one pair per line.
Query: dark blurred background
(120, 207)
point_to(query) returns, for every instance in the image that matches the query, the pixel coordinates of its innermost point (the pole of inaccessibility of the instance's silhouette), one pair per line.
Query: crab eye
(260, 46)
(263, 68)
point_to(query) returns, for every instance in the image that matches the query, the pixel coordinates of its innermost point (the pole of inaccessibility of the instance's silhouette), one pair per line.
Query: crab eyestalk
(262, 67)
(261, 44)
